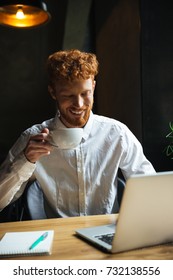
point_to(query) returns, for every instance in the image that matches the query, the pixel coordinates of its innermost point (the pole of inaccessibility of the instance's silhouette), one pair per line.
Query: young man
(80, 181)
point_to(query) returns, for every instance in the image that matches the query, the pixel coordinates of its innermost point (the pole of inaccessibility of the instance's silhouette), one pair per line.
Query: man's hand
(38, 146)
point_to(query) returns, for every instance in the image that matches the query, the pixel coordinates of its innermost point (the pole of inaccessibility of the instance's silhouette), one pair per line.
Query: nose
(78, 101)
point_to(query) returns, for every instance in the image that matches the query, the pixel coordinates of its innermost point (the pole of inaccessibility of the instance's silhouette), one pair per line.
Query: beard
(75, 121)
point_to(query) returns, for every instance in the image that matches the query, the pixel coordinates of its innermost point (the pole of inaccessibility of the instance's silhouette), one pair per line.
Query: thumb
(45, 130)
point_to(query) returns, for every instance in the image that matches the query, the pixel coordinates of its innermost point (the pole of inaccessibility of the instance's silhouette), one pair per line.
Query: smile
(76, 112)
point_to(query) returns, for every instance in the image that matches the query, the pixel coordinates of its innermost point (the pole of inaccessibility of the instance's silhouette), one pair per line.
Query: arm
(133, 160)
(19, 165)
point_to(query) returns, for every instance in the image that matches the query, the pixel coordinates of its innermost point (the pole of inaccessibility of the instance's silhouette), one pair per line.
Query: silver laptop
(145, 218)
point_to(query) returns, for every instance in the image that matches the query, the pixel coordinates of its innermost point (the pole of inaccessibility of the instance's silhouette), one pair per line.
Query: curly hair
(70, 65)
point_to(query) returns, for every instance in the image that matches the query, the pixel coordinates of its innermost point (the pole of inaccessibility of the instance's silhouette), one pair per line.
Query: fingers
(45, 130)
(35, 150)
(43, 135)
(38, 146)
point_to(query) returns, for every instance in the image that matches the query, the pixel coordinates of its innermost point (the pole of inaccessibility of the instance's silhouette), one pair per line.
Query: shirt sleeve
(14, 172)
(133, 160)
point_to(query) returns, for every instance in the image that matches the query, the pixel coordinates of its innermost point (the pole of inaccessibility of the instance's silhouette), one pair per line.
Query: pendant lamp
(23, 13)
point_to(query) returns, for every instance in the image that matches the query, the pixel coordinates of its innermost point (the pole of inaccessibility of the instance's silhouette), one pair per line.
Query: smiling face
(74, 100)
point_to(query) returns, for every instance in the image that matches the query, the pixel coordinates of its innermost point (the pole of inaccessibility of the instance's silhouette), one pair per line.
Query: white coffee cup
(66, 138)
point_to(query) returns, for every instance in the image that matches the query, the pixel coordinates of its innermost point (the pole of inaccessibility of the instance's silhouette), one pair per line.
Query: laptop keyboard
(107, 238)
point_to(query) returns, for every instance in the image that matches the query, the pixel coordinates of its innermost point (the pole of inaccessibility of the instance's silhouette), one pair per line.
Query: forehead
(74, 85)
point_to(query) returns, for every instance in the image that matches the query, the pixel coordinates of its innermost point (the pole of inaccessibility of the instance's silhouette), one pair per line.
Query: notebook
(145, 217)
(19, 243)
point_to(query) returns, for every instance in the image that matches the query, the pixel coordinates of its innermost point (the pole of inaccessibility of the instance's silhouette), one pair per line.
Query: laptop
(145, 217)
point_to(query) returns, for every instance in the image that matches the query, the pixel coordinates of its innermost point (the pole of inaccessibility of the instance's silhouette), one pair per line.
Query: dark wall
(23, 88)
(157, 78)
(134, 44)
(133, 41)
(118, 50)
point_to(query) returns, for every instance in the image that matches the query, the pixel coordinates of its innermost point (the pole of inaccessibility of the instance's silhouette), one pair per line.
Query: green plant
(169, 136)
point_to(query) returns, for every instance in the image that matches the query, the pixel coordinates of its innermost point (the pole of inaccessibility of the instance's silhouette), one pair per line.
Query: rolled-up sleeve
(15, 171)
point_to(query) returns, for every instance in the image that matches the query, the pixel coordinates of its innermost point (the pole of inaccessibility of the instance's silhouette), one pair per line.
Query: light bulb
(20, 14)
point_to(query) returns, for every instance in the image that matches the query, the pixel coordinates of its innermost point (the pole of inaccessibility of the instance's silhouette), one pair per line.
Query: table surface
(67, 246)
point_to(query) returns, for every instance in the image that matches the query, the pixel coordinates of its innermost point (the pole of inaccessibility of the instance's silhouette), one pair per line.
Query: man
(80, 181)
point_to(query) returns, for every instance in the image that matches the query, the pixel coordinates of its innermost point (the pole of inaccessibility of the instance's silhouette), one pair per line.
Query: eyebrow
(71, 92)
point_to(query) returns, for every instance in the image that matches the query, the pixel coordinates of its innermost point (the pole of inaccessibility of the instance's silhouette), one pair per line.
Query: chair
(12, 212)
(33, 202)
(120, 190)
(29, 206)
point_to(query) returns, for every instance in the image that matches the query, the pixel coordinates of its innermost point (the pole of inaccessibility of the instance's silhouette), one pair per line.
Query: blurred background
(133, 41)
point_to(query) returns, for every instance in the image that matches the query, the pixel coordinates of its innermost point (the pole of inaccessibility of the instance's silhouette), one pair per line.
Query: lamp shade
(23, 13)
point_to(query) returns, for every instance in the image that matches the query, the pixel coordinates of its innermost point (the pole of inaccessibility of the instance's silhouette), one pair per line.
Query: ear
(51, 92)
(94, 84)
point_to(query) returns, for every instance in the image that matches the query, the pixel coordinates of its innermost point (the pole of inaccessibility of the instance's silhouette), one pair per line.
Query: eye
(83, 94)
(86, 93)
(67, 95)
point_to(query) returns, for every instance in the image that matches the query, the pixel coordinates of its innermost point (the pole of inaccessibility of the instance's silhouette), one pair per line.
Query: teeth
(77, 113)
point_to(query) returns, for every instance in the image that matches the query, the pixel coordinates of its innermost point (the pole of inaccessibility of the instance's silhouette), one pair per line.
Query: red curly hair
(70, 65)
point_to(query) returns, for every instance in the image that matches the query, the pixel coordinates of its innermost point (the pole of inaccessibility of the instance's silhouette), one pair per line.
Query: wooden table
(67, 246)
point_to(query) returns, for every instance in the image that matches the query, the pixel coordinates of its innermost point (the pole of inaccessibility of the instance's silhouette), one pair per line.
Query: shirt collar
(86, 129)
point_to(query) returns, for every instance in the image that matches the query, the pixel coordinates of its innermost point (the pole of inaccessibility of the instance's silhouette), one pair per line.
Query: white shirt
(81, 181)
